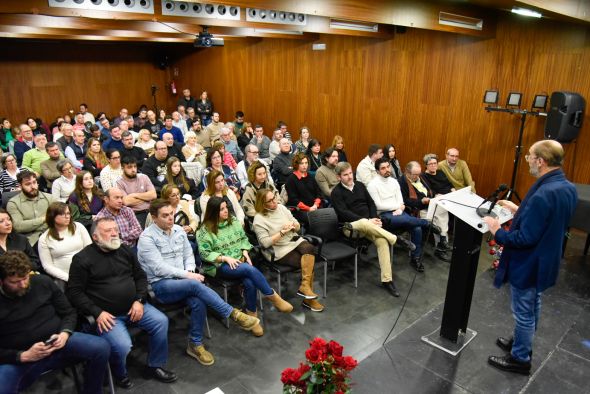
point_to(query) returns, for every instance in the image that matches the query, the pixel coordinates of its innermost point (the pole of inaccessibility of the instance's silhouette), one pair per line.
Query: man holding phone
(37, 330)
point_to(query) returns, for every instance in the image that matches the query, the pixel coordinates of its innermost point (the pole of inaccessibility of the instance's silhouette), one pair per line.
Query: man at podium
(532, 249)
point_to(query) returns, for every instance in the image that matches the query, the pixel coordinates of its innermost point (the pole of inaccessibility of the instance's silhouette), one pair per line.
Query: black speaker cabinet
(565, 116)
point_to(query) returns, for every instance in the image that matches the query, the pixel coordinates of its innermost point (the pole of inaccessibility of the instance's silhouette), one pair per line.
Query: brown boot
(312, 305)
(243, 320)
(306, 288)
(257, 329)
(279, 303)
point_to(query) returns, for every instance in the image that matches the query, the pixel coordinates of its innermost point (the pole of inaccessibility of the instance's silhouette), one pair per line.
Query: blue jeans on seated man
(197, 296)
(252, 279)
(80, 347)
(526, 307)
(155, 323)
(414, 225)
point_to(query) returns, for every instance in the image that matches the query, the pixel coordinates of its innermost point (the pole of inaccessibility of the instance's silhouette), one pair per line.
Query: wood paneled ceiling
(36, 19)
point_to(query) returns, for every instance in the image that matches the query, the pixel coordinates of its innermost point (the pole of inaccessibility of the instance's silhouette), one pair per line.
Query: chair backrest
(323, 223)
(7, 196)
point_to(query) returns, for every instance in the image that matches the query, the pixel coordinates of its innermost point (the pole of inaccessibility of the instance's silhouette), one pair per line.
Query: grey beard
(112, 244)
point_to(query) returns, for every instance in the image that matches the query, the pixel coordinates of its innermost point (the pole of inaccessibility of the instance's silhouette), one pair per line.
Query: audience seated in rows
(155, 166)
(215, 162)
(192, 150)
(11, 240)
(302, 190)
(457, 170)
(9, 173)
(33, 158)
(314, 156)
(389, 153)
(62, 187)
(87, 197)
(365, 171)
(338, 145)
(137, 189)
(175, 175)
(113, 171)
(325, 176)
(252, 154)
(262, 142)
(95, 160)
(129, 226)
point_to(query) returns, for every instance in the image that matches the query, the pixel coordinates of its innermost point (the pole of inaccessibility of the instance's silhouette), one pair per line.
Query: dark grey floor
(561, 362)
(361, 318)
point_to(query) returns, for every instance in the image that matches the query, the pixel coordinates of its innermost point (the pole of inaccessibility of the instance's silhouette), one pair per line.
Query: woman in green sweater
(223, 243)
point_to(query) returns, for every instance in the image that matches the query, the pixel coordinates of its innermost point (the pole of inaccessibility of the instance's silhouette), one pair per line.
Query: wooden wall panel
(421, 90)
(47, 79)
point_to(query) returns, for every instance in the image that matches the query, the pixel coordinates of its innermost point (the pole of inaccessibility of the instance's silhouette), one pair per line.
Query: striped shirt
(7, 182)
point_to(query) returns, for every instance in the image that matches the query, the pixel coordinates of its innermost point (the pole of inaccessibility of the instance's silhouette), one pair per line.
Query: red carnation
(492, 252)
(492, 243)
(335, 349)
(287, 376)
(319, 344)
(349, 363)
(303, 368)
(315, 356)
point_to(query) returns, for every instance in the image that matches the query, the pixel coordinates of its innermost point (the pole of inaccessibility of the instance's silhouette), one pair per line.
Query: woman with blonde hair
(146, 142)
(217, 187)
(338, 145)
(276, 227)
(258, 177)
(224, 244)
(61, 241)
(95, 159)
(184, 212)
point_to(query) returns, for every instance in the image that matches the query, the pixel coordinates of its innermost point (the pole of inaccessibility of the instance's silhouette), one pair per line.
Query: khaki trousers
(383, 240)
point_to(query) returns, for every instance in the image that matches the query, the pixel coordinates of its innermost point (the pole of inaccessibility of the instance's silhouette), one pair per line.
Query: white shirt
(242, 173)
(56, 256)
(366, 171)
(62, 187)
(109, 177)
(386, 194)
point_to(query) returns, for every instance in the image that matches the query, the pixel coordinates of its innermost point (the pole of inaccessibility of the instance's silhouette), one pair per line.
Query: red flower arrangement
(325, 371)
(496, 249)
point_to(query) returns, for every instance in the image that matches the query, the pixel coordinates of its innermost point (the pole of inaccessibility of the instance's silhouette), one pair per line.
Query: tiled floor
(361, 319)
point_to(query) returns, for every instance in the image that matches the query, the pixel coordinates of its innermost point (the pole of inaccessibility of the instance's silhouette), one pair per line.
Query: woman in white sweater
(62, 187)
(276, 228)
(62, 240)
(216, 186)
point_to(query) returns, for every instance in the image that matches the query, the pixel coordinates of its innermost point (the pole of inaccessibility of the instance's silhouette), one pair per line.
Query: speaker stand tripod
(518, 150)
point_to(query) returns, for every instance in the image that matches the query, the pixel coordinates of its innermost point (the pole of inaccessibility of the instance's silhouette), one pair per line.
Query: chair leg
(260, 298)
(76, 379)
(110, 379)
(225, 299)
(587, 245)
(207, 327)
(325, 279)
(279, 283)
(355, 271)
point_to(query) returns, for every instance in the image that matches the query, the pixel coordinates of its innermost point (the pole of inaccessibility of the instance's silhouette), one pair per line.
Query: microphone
(493, 199)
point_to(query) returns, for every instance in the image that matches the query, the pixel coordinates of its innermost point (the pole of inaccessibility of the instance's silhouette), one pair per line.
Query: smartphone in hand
(50, 341)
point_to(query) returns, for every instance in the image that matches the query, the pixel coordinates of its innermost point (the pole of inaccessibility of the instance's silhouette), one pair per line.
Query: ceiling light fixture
(526, 12)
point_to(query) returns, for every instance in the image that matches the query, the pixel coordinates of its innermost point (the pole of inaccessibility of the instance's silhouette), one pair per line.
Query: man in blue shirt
(167, 257)
(532, 249)
(169, 128)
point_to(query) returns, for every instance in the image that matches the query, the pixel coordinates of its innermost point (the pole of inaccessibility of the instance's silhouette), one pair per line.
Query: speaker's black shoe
(442, 255)
(161, 374)
(507, 363)
(505, 343)
(390, 287)
(124, 382)
(406, 243)
(417, 264)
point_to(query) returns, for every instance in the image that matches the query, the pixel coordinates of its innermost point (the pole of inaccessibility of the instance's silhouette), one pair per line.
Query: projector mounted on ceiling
(206, 40)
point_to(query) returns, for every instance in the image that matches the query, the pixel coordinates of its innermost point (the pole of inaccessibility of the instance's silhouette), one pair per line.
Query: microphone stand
(518, 149)
(154, 90)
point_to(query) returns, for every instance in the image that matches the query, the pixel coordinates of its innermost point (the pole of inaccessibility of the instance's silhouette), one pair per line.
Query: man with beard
(35, 312)
(325, 176)
(28, 208)
(532, 249)
(137, 189)
(107, 282)
(155, 166)
(131, 150)
(122, 215)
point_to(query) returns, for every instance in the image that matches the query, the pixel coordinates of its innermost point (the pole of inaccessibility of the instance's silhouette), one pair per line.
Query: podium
(454, 334)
